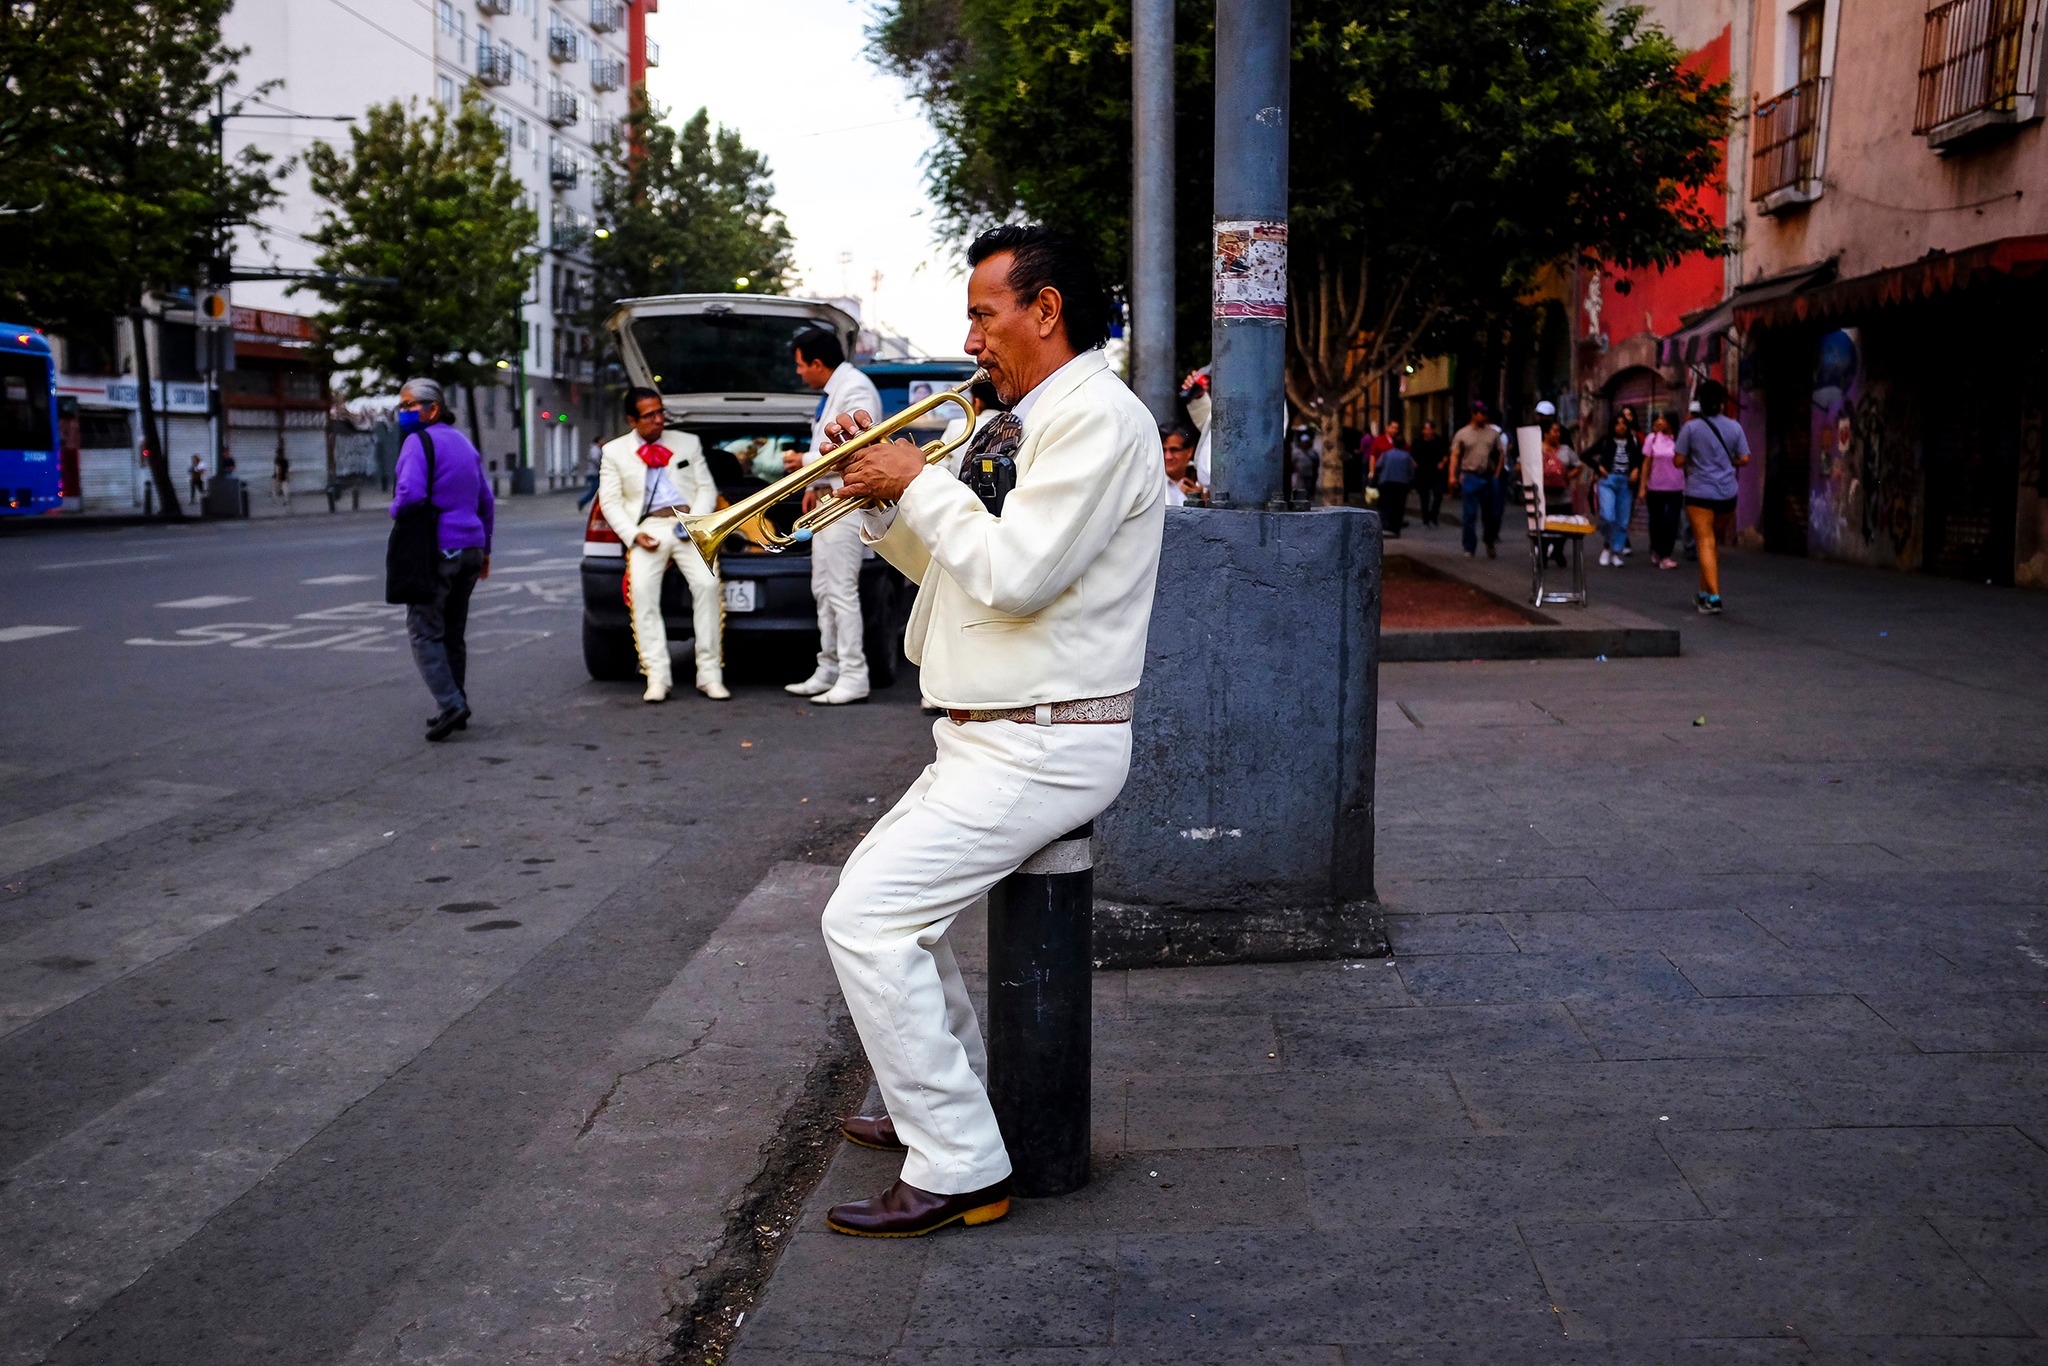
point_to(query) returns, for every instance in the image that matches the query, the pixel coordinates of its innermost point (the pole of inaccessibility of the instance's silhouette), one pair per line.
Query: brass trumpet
(708, 531)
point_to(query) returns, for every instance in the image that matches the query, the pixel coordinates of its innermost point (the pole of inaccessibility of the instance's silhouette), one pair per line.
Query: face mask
(410, 421)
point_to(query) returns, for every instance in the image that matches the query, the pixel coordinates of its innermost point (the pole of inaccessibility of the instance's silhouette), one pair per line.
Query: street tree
(108, 178)
(683, 210)
(1441, 156)
(429, 245)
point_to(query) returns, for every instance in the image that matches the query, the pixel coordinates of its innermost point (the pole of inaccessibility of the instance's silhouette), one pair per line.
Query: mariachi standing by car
(721, 365)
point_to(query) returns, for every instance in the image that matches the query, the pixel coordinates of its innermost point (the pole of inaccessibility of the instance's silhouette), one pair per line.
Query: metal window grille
(1977, 57)
(493, 61)
(607, 73)
(653, 52)
(495, 6)
(604, 132)
(564, 43)
(563, 171)
(607, 16)
(563, 107)
(1786, 136)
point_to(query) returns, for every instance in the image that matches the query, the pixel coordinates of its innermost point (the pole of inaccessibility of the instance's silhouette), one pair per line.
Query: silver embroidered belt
(1089, 711)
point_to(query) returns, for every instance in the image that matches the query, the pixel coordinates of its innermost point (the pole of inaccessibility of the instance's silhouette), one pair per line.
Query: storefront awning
(1698, 338)
(1934, 274)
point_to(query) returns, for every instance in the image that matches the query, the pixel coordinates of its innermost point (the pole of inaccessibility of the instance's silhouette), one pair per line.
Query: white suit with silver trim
(1050, 602)
(622, 479)
(836, 551)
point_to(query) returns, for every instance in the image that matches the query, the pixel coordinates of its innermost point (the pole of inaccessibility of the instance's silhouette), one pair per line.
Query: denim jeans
(1478, 493)
(435, 629)
(1617, 503)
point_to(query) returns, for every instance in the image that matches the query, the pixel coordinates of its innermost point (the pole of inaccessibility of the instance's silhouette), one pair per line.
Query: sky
(844, 141)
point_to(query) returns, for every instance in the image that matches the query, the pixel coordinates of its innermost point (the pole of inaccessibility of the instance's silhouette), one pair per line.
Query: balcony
(607, 16)
(1980, 66)
(493, 63)
(495, 6)
(1788, 136)
(563, 170)
(607, 73)
(653, 52)
(564, 108)
(605, 133)
(571, 231)
(565, 44)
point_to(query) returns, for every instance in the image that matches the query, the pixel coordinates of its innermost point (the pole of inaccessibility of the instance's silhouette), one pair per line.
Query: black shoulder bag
(412, 560)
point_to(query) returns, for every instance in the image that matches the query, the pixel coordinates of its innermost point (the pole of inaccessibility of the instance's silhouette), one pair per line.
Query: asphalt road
(283, 989)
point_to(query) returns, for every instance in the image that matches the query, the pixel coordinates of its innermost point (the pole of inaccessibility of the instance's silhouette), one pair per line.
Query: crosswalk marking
(96, 564)
(81, 825)
(9, 634)
(159, 913)
(329, 580)
(207, 600)
(94, 1211)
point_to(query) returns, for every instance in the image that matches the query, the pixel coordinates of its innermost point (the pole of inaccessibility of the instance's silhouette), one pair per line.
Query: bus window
(25, 403)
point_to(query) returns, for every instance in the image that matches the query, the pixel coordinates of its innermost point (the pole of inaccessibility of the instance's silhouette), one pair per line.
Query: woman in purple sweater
(463, 495)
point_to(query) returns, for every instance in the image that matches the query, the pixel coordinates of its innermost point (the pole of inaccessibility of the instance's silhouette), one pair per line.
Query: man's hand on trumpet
(881, 471)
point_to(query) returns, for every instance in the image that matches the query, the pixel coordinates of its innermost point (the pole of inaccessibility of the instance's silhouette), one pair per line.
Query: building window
(450, 17)
(1788, 137)
(445, 89)
(1980, 63)
(525, 133)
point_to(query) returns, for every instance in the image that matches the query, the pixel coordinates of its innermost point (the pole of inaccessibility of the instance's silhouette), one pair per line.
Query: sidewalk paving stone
(1702, 1045)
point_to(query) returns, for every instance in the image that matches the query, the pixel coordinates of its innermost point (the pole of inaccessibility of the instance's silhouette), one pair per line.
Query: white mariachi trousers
(644, 569)
(997, 793)
(836, 553)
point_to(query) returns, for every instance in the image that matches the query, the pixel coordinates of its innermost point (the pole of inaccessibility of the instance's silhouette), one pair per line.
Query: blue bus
(30, 470)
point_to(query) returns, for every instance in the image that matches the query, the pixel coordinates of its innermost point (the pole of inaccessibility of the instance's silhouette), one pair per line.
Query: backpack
(412, 557)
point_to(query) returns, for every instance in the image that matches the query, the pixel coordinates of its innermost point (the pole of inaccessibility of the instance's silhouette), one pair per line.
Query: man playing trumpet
(1035, 568)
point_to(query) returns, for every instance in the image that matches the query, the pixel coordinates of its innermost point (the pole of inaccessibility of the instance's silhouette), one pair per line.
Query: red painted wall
(1656, 300)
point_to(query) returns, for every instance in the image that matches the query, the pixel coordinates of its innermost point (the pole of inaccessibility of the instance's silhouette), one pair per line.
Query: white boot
(842, 693)
(713, 687)
(656, 692)
(819, 682)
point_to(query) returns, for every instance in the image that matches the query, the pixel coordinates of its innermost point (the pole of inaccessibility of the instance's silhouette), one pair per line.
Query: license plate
(739, 595)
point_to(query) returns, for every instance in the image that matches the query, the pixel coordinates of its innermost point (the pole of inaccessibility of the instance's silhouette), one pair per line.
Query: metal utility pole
(1153, 371)
(1248, 331)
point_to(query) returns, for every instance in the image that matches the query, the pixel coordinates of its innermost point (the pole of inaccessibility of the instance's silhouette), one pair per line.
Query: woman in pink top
(1665, 490)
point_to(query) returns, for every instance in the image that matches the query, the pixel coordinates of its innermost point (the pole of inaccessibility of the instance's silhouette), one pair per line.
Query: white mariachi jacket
(622, 479)
(1051, 601)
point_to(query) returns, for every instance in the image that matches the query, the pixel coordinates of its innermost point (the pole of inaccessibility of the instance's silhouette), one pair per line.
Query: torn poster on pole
(1251, 269)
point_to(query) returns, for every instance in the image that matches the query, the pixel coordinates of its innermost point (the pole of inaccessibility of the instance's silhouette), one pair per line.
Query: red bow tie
(654, 457)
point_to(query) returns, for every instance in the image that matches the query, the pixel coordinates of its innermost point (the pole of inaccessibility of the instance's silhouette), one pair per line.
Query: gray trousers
(435, 628)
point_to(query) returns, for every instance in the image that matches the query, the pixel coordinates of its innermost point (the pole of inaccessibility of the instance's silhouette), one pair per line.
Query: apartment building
(556, 76)
(1893, 271)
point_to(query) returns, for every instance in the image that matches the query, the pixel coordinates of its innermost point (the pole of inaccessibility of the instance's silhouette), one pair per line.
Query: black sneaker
(447, 723)
(463, 724)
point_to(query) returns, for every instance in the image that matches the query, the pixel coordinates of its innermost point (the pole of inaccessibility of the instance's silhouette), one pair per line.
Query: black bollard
(1040, 1014)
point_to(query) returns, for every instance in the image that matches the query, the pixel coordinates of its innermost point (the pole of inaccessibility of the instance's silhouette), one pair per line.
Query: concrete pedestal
(1245, 833)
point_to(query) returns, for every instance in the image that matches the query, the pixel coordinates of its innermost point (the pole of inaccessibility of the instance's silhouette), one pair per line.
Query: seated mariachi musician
(1035, 570)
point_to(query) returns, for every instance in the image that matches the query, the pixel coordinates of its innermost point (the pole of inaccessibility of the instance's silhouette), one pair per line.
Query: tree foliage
(685, 210)
(425, 198)
(1442, 154)
(107, 166)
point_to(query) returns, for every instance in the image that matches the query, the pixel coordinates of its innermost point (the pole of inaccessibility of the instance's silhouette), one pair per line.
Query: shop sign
(170, 398)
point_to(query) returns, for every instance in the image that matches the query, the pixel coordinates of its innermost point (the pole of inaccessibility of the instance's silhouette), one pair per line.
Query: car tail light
(599, 540)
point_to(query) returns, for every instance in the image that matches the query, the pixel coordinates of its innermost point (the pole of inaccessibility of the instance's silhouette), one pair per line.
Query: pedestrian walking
(281, 479)
(1394, 472)
(1476, 461)
(198, 478)
(1617, 465)
(1663, 490)
(1432, 451)
(1304, 464)
(1710, 449)
(438, 465)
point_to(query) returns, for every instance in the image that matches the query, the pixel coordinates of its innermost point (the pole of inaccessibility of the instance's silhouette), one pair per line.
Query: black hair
(1712, 396)
(1169, 430)
(984, 393)
(636, 396)
(819, 344)
(1045, 258)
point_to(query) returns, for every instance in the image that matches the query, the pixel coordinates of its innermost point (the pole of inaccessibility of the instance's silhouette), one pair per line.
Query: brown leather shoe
(873, 1131)
(904, 1211)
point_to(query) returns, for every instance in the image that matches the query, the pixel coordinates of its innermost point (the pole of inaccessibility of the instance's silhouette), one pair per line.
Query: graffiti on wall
(1866, 503)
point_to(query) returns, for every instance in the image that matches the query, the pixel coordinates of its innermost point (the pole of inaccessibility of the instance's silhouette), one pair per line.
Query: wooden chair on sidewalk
(1547, 533)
